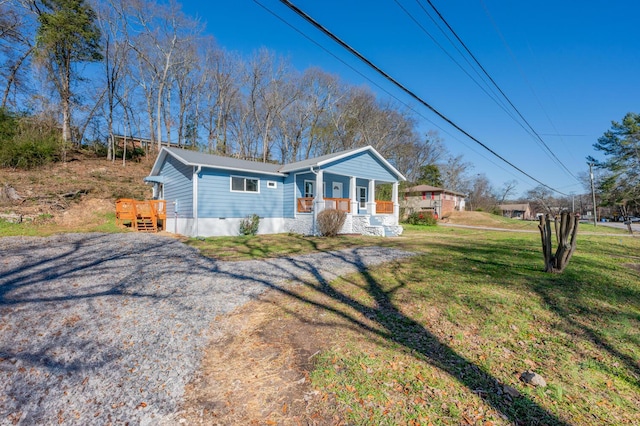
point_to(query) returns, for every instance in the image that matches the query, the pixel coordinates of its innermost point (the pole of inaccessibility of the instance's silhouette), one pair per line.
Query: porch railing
(342, 204)
(384, 207)
(305, 205)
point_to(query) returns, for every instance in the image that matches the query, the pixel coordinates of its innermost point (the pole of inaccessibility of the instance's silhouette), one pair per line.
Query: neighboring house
(209, 195)
(429, 198)
(516, 211)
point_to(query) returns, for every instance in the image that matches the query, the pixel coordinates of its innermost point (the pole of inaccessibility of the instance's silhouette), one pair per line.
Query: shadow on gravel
(51, 280)
(84, 258)
(397, 328)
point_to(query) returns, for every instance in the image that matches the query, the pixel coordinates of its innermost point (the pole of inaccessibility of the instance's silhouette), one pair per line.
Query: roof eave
(165, 151)
(360, 150)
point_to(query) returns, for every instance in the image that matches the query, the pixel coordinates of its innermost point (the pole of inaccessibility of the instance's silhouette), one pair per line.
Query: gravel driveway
(100, 328)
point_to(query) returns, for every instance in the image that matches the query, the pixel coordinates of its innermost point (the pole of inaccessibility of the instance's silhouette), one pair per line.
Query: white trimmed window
(309, 189)
(361, 191)
(244, 184)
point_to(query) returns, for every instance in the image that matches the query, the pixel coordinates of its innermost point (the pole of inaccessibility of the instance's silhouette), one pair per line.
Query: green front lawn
(436, 338)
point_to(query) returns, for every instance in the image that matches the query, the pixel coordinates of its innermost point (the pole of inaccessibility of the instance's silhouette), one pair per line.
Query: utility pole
(593, 194)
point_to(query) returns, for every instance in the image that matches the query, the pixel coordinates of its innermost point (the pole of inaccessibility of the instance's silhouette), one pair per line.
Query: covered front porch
(356, 196)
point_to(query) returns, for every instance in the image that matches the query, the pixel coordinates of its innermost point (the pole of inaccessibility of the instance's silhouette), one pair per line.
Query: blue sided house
(208, 195)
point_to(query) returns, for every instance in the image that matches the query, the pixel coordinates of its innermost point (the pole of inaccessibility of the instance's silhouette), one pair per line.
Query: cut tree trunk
(566, 232)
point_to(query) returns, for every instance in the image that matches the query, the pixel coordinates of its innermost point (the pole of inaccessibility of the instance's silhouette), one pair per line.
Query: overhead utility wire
(384, 89)
(493, 96)
(522, 73)
(354, 52)
(498, 87)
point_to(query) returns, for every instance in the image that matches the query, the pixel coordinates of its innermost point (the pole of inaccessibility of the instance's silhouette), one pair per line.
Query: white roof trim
(360, 150)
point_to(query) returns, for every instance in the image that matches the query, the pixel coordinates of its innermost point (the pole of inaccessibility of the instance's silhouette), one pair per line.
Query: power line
(354, 52)
(492, 96)
(384, 89)
(462, 43)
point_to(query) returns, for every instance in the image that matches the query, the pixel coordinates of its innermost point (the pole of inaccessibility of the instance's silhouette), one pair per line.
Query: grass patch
(276, 245)
(436, 338)
(489, 220)
(44, 226)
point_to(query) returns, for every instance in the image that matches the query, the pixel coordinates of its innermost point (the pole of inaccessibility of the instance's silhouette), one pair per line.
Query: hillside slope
(72, 192)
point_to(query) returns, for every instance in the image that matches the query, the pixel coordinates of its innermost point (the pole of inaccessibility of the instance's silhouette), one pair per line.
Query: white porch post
(353, 195)
(318, 201)
(371, 203)
(396, 204)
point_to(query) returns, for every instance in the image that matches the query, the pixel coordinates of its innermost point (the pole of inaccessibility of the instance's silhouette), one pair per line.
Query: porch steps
(146, 224)
(393, 231)
(378, 227)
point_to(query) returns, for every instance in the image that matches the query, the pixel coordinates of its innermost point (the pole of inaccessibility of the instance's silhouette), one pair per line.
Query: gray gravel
(101, 329)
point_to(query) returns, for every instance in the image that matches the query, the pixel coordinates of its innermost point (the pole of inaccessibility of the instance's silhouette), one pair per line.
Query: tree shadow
(393, 326)
(569, 293)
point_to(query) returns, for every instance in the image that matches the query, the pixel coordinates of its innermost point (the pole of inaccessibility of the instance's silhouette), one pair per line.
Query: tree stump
(566, 232)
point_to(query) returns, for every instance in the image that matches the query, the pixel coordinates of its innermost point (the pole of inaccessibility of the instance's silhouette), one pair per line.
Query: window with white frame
(362, 196)
(244, 184)
(309, 185)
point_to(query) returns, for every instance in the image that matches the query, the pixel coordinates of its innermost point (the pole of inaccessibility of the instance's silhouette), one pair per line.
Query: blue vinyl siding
(290, 192)
(330, 179)
(216, 200)
(362, 182)
(178, 186)
(363, 165)
(300, 178)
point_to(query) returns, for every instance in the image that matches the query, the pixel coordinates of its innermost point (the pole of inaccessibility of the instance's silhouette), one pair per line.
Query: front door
(336, 190)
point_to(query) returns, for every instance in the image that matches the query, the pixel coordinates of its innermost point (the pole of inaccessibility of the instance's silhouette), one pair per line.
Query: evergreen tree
(67, 35)
(621, 147)
(430, 175)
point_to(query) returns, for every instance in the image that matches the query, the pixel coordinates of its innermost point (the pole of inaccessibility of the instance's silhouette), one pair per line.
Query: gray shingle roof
(429, 188)
(195, 158)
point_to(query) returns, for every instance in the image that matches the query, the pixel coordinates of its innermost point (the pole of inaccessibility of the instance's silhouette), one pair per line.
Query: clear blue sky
(569, 67)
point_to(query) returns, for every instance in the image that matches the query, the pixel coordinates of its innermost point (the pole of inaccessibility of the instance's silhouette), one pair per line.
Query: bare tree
(111, 20)
(507, 190)
(311, 94)
(221, 87)
(481, 194)
(270, 93)
(411, 156)
(17, 28)
(566, 231)
(161, 31)
(542, 199)
(454, 174)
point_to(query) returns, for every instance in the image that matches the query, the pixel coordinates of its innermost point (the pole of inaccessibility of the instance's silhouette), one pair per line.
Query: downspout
(313, 211)
(195, 198)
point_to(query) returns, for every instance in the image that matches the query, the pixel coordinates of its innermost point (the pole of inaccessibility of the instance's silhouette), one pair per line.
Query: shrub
(330, 222)
(249, 225)
(422, 218)
(27, 142)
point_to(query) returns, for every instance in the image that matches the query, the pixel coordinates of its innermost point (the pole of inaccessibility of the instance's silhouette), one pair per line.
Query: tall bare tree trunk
(566, 232)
